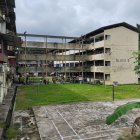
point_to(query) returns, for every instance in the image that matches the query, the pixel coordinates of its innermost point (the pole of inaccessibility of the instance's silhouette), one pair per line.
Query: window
(107, 37)
(99, 63)
(107, 63)
(107, 50)
(107, 76)
(99, 38)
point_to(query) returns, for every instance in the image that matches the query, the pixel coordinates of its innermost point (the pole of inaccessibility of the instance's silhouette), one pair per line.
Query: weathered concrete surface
(56, 45)
(24, 122)
(6, 109)
(84, 121)
(51, 57)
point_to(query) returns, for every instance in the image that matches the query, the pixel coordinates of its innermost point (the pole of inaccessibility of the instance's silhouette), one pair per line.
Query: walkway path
(84, 121)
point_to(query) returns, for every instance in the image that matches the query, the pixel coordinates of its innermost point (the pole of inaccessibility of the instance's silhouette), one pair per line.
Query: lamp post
(25, 55)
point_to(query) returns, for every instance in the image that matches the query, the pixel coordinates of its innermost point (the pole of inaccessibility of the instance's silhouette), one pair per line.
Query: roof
(100, 30)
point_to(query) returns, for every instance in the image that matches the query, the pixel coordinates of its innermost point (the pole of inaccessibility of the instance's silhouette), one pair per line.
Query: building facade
(114, 62)
(8, 43)
(104, 55)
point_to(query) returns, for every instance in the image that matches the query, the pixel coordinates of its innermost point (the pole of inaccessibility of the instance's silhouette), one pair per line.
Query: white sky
(73, 17)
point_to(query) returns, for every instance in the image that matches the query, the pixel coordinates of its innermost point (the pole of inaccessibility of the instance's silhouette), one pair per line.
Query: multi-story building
(112, 55)
(105, 54)
(8, 42)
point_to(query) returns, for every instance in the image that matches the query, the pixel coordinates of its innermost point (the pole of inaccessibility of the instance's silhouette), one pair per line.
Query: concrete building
(112, 56)
(104, 54)
(8, 43)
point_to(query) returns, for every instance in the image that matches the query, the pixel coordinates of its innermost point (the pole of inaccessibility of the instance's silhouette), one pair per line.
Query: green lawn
(28, 96)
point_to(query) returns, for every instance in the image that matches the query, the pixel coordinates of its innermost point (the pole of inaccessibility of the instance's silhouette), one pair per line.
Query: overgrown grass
(11, 133)
(2, 124)
(28, 96)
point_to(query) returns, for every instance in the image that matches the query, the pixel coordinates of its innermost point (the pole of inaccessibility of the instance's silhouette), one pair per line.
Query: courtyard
(77, 111)
(54, 94)
(83, 121)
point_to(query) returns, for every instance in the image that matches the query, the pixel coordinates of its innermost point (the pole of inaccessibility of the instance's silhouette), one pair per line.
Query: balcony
(99, 44)
(104, 69)
(73, 69)
(31, 69)
(10, 53)
(100, 57)
(96, 45)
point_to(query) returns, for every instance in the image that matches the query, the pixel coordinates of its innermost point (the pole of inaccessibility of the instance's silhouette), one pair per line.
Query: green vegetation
(130, 137)
(28, 96)
(2, 124)
(121, 110)
(137, 62)
(11, 133)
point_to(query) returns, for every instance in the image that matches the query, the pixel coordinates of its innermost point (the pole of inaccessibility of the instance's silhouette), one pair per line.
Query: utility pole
(82, 60)
(46, 56)
(113, 92)
(25, 56)
(65, 61)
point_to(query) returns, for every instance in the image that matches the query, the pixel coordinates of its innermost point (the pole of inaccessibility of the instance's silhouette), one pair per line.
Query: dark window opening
(99, 63)
(99, 51)
(107, 63)
(107, 76)
(99, 76)
(107, 50)
(100, 38)
(107, 37)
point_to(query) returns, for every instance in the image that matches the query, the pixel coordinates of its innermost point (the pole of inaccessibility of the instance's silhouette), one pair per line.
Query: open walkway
(83, 121)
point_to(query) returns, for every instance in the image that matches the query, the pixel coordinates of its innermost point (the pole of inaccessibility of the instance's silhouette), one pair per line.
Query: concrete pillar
(1, 87)
(1, 94)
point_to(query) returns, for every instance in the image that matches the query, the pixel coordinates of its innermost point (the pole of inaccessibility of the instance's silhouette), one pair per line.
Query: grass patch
(28, 96)
(11, 133)
(2, 124)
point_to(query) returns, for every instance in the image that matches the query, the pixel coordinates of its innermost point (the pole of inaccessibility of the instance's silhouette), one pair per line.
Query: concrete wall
(123, 43)
(4, 85)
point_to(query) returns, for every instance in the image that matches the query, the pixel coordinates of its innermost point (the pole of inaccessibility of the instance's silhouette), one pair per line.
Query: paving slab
(82, 121)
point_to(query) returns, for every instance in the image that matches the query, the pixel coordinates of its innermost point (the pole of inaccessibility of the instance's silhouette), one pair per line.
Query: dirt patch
(25, 123)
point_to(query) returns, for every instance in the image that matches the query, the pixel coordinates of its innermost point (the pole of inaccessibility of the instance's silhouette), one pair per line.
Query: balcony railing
(100, 57)
(104, 69)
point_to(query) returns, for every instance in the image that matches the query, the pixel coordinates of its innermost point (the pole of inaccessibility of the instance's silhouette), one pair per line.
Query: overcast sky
(73, 17)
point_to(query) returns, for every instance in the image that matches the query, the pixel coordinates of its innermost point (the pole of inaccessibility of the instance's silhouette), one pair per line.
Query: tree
(137, 55)
(137, 61)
